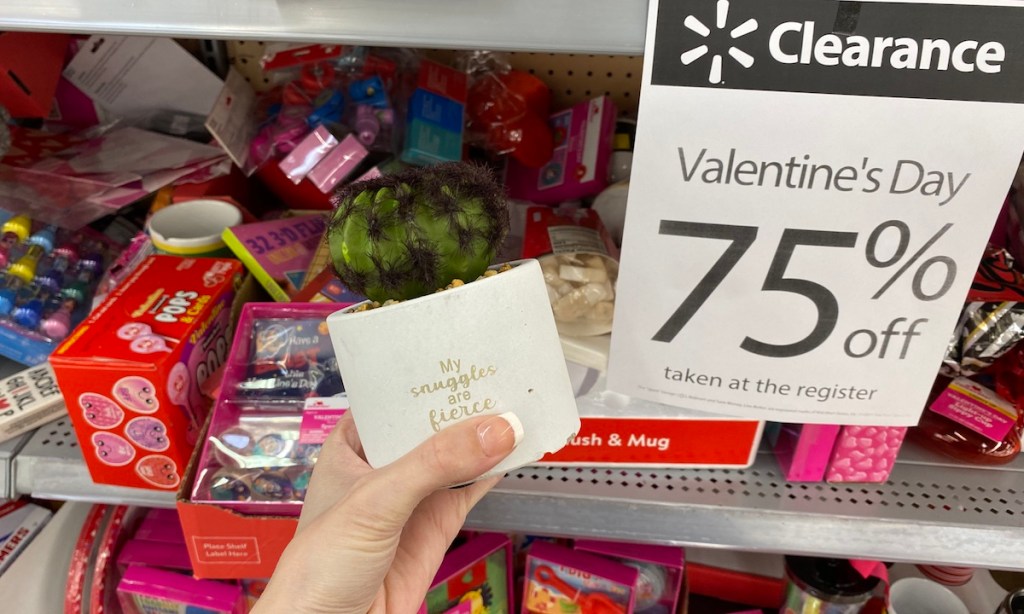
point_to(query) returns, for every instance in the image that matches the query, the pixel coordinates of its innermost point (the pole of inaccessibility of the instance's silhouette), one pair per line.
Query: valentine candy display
(864, 453)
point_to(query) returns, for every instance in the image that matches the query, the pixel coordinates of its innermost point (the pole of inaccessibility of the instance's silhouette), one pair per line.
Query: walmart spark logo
(743, 58)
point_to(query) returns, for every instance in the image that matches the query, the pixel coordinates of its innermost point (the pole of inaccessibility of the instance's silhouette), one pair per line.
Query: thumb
(458, 454)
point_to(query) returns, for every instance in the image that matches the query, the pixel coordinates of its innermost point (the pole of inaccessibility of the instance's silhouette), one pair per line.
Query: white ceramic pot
(487, 347)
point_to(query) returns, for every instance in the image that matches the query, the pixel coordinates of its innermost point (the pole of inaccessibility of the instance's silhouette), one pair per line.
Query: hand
(371, 540)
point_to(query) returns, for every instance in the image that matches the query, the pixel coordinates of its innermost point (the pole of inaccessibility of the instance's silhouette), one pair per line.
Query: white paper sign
(812, 188)
(135, 75)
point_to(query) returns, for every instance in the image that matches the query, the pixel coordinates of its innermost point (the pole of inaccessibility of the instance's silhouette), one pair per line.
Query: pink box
(166, 555)
(475, 577)
(579, 165)
(338, 164)
(559, 580)
(865, 453)
(661, 570)
(307, 154)
(160, 530)
(803, 450)
(144, 589)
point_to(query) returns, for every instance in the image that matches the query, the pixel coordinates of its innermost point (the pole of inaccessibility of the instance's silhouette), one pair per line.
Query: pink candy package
(144, 589)
(865, 453)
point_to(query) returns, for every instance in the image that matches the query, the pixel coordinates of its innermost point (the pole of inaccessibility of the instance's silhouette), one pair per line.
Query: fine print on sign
(810, 198)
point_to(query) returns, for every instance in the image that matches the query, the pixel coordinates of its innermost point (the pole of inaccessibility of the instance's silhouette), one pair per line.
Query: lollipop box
(132, 372)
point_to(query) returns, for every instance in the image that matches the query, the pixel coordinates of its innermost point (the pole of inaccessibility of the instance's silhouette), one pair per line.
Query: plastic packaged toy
(560, 580)
(660, 572)
(132, 373)
(280, 396)
(475, 578)
(47, 279)
(143, 590)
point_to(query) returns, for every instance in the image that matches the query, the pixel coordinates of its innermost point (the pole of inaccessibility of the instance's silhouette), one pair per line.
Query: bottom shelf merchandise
(104, 559)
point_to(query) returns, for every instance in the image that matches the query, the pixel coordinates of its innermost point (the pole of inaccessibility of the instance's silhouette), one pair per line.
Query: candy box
(560, 580)
(865, 453)
(476, 577)
(132, 372)
(661, 570)
(143, 590)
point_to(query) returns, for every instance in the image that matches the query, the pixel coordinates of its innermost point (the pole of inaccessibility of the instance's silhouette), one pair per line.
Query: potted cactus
(444, 335)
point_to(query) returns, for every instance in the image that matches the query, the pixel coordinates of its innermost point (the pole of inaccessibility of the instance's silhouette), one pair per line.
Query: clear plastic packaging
(580, 265)
(256, 458)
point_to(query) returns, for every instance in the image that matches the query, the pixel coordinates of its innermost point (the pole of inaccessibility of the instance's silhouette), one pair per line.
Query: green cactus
(406, 235)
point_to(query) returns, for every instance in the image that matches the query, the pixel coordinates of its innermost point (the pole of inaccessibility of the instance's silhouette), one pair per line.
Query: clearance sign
(813, 186)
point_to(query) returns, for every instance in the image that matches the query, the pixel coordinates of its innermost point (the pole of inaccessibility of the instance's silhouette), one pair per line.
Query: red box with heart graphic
(132, 372)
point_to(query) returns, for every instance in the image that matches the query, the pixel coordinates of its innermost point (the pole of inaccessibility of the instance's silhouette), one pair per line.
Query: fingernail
(500, 434)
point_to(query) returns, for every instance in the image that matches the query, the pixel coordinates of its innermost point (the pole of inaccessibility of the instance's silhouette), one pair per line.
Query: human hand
(371, 540)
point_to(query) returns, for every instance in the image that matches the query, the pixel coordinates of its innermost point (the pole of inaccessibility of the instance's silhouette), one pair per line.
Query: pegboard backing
(576, 77)
(571, 77)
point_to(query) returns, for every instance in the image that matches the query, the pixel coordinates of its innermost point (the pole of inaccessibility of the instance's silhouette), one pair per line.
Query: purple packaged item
(143, 590)
(660, 569)
(167, 555)
(803, 450)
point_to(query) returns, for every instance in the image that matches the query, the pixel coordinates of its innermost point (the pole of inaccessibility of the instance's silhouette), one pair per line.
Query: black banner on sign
(938, 51)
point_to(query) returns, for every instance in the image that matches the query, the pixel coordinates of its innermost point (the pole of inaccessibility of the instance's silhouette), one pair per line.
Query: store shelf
(593, 26)
(930, 511)
(50, 466)
(936, 514)
(8, 450)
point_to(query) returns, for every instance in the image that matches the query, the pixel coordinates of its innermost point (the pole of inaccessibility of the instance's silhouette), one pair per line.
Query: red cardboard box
(227, 545)
(30, 65)
(131, 372)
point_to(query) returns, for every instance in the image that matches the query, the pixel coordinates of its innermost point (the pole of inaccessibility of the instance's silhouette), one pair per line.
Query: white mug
(920, 596)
